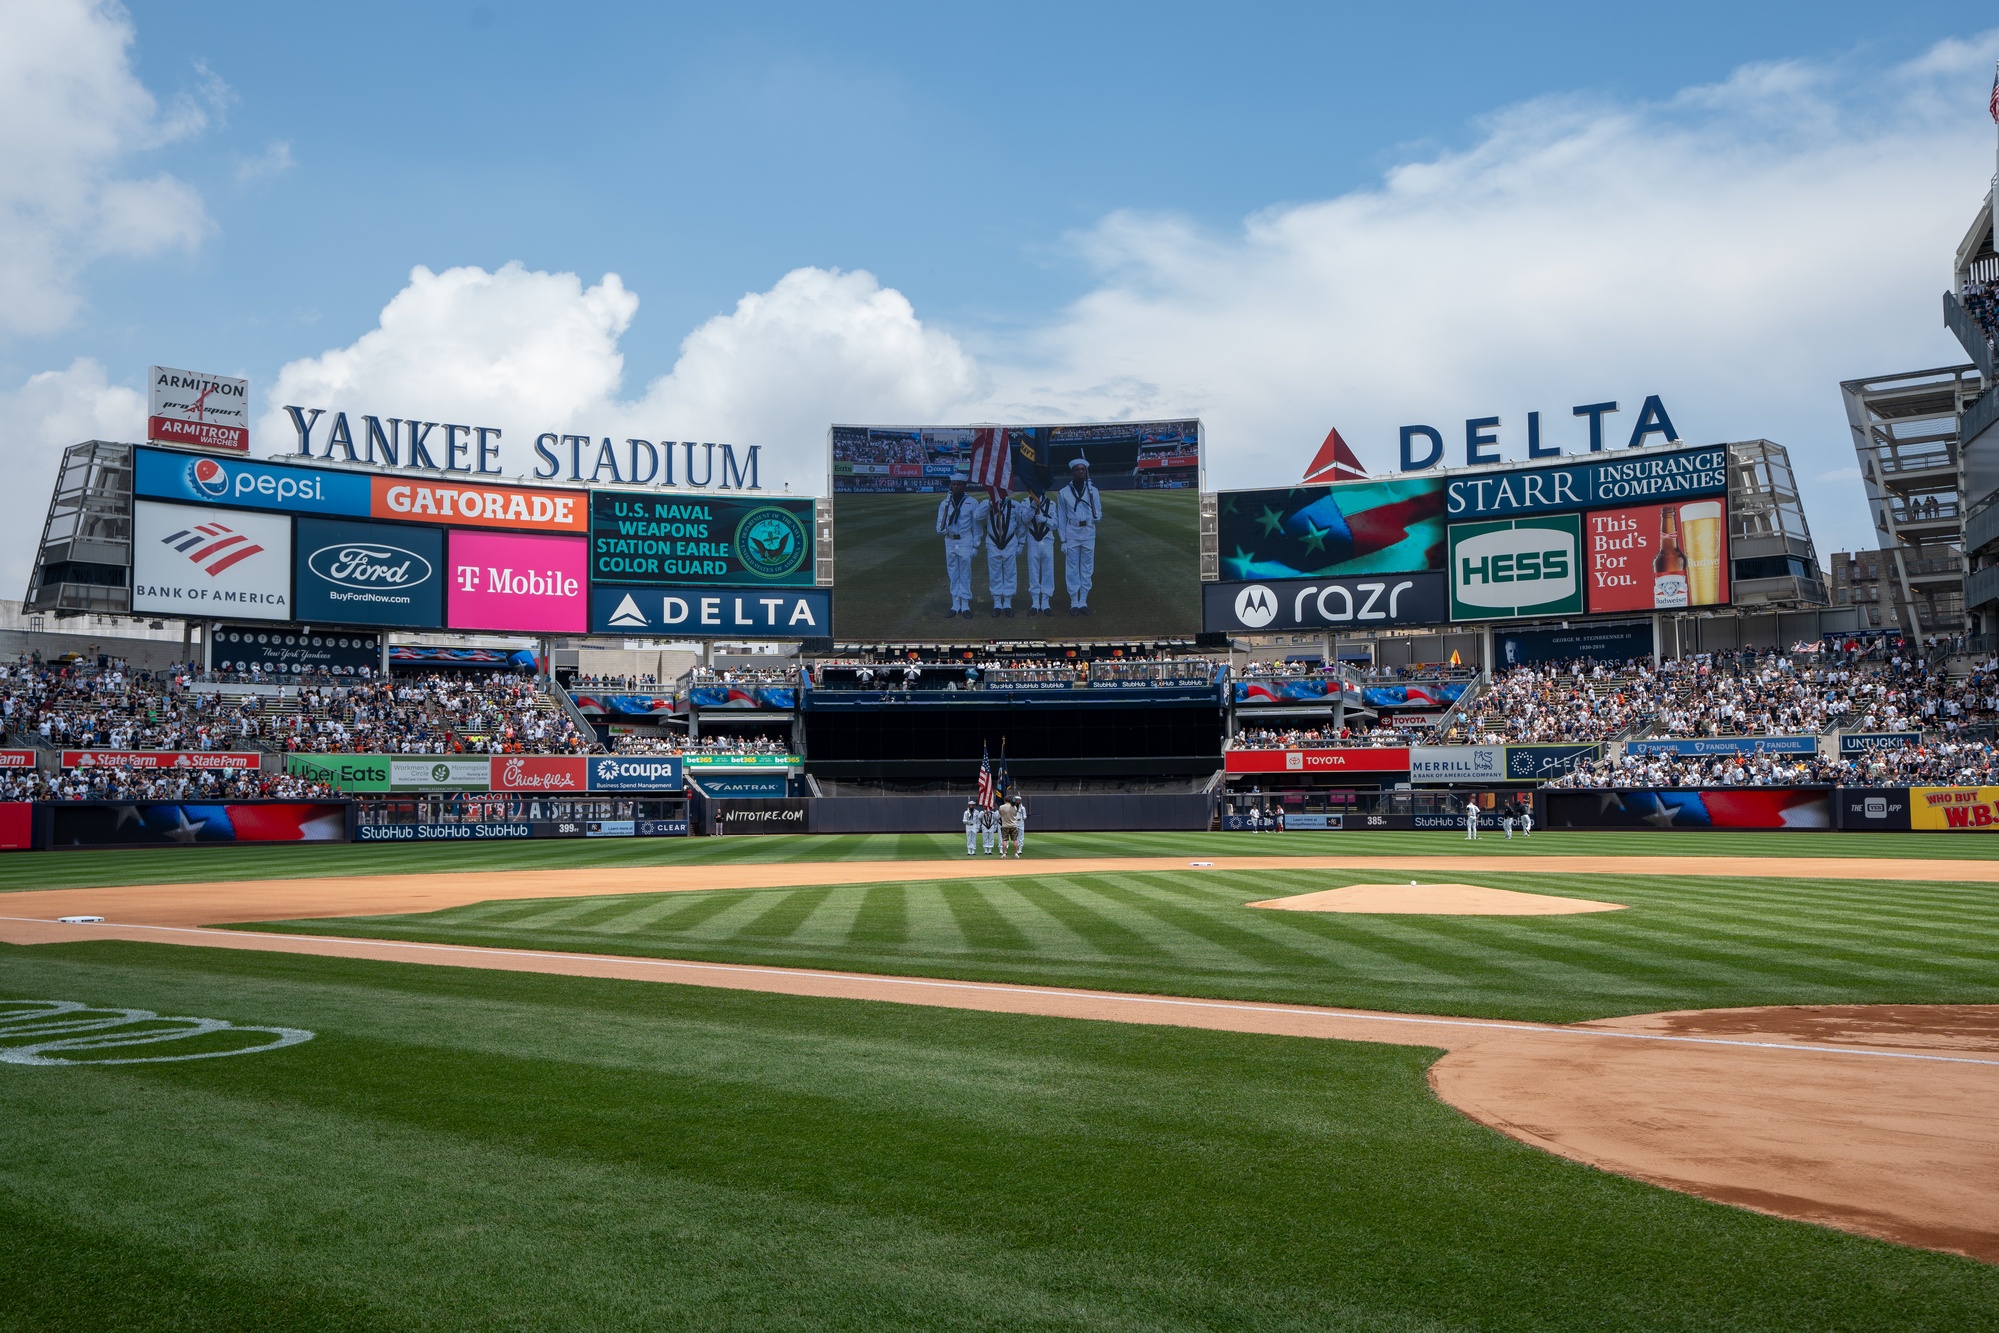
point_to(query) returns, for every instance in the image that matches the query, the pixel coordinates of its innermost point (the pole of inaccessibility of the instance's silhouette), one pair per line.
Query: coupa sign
(636, 773)
(1516, 567)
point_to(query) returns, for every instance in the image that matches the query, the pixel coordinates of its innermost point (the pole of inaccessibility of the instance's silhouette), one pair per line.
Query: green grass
(474, 1150)
(889, 580)
(1707, 943)
(183, 865)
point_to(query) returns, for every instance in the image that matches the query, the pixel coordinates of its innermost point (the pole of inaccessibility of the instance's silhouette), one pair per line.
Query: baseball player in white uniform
(1004, 530)
(1079, 509)
(1527, 818)
(957, 524)
(1471, 817)
(971, 828)
(1039, 546)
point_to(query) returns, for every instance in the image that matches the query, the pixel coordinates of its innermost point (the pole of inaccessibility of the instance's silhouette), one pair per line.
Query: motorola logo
(1255, 606)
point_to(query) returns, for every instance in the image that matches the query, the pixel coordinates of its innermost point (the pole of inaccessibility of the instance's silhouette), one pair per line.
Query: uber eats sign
(1517, 567)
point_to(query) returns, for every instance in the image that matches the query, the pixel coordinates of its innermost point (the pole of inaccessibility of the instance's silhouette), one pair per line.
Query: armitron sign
(205, 411)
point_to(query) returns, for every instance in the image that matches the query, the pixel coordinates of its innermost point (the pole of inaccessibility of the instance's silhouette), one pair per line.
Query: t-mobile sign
(507, 581)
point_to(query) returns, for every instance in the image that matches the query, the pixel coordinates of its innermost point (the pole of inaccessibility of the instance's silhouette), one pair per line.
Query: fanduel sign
(443, 446)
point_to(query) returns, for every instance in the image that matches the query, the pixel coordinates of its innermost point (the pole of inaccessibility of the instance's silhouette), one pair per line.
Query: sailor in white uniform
(1038, 544)
(971, 828)
(1079, 509)
(988, 828)
(1004, 530)
(957, 524)
(1019, 824)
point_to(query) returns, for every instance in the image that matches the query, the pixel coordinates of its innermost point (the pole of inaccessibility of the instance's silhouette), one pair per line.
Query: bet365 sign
(1517, 567)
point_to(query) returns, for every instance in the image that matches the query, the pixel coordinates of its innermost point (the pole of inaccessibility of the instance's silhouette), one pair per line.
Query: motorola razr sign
(1516, 567)
(1277, 605)
(370, 574)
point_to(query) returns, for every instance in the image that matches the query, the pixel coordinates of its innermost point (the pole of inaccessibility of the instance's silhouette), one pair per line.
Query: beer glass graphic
(1700, 538)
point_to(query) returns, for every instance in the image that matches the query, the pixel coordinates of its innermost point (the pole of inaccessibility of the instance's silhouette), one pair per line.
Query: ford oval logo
(369, 565)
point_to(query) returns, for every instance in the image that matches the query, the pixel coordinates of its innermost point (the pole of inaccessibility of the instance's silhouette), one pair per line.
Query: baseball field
(1647, 1081)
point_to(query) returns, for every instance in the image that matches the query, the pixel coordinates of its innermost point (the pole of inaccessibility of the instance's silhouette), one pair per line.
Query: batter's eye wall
(1160, 740)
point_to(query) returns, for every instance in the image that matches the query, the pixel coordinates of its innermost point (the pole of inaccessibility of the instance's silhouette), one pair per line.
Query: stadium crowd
(1981, 301)
(77, 707)
(123, 783)
(716, 744)
(434, 713)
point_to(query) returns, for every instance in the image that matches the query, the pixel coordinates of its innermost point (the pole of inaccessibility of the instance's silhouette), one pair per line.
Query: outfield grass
(197, 864)
(1684, 944)
(467, 1149)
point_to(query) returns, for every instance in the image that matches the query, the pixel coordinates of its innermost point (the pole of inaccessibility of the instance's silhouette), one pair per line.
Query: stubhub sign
(650, 772)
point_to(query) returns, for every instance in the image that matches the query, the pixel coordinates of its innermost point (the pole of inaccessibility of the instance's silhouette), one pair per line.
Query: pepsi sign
(161, 474)
(1276, 606)
(370, 573)
(636, 772)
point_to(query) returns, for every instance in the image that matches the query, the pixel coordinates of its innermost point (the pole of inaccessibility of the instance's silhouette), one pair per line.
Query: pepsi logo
(208, 477)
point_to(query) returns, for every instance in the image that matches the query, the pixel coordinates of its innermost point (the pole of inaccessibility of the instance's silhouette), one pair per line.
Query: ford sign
(368, 565)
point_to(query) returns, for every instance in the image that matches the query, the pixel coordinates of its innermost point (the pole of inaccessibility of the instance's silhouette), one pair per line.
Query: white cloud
(51, 411)
(1738, 250)
(533, 352)
(276, 159)
(72, 114)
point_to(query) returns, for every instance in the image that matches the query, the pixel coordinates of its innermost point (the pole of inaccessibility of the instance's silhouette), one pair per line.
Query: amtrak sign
(1278, 606)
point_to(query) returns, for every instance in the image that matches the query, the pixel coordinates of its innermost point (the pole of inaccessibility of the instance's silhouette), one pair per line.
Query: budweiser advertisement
(205, 411)
(1372, 759)
(541, 773)
(519, 583)
(1653, 557)
(225, 759)
(469, 505)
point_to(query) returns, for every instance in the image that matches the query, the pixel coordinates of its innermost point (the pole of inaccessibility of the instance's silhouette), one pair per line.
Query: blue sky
(1079, 210)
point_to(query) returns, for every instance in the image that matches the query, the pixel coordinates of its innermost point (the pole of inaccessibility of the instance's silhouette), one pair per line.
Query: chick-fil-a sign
(545, 773)
(514, 582)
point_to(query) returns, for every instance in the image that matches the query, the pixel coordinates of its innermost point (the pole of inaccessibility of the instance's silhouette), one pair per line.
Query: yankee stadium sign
(395, 443)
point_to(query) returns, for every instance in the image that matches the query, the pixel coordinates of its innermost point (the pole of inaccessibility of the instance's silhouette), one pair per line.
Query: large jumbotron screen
(1110, 549)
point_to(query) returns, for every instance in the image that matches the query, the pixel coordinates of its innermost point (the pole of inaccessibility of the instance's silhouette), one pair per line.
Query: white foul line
(1231, 1006)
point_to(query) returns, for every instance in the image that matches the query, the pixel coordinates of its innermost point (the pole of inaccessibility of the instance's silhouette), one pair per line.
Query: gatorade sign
(1515, 567)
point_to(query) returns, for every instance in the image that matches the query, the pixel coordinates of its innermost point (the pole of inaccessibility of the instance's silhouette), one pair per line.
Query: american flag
(1992, 102)
(985, 780)
(992, 460)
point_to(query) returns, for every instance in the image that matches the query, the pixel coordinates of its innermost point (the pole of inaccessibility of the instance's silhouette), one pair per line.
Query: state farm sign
(225, 759)
(540, 773)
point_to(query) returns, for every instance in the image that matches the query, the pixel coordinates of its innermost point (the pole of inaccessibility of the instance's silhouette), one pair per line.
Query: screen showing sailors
(1079, 510)
(1016, 530)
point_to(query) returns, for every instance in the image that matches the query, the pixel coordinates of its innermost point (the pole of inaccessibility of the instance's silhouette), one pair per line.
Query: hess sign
(1516, 567)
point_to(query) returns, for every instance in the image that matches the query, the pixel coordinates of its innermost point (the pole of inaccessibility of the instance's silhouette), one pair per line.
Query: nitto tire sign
(1517, 567)
(1292, 604)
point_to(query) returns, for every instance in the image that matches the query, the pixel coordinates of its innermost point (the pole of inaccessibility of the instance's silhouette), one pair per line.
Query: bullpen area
(1585, 1080)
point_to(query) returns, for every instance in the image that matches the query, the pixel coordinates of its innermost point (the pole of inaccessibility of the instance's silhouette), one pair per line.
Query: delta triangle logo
(628, 615)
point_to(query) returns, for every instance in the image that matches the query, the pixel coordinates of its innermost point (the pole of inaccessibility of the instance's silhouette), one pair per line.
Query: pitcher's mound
(1435, 900)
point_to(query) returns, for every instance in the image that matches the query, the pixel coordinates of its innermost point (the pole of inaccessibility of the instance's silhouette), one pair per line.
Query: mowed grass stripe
(883, 917)
(1062, 899)
(782, 918)
(983, 927)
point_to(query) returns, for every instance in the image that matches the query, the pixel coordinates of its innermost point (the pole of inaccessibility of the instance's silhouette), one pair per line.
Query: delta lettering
(1482, 439)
